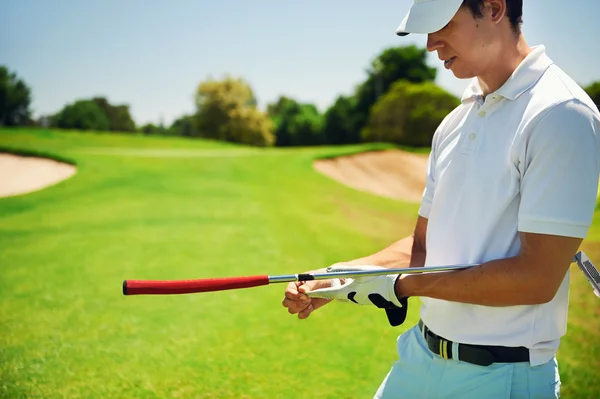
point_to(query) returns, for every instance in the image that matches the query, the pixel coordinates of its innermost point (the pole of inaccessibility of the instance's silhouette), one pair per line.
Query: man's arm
(407, 252)
(532, 277)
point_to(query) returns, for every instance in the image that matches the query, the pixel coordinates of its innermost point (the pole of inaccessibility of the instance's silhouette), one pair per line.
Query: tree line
(398, 102)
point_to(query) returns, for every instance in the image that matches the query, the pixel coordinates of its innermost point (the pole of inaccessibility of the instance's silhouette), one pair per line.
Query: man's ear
(496, 9)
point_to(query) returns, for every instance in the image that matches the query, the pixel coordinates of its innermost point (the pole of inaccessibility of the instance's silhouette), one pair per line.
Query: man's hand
(369, 290)
(296, 300)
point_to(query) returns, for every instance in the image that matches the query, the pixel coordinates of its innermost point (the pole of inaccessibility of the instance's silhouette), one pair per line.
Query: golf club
(589, 270)
(165, 287)
(169, 287)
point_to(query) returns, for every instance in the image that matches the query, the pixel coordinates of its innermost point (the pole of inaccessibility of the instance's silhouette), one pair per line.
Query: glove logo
(351, 296)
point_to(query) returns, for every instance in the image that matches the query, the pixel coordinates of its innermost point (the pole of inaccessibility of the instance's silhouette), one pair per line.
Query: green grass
(167, 208)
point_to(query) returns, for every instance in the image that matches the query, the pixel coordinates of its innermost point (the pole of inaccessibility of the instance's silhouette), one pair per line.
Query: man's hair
(514, 11)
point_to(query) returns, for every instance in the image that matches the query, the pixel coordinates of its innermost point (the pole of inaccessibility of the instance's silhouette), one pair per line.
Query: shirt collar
(521, 80)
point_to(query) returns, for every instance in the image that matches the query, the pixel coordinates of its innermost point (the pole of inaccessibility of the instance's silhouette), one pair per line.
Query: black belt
(476, 354)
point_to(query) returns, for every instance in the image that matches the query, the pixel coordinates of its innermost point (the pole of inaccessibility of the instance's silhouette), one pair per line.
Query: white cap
(428, 16)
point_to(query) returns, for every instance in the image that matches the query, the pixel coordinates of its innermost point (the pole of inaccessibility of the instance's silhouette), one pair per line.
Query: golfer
(511, 187)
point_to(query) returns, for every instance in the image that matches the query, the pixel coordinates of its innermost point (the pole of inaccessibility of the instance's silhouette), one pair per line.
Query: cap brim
(428, 16)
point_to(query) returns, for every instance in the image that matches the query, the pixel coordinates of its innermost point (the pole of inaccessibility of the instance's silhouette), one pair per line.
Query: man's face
(465, 44)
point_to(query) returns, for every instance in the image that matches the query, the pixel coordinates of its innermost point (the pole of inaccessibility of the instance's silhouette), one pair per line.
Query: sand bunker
(21, 175)
(394, 174)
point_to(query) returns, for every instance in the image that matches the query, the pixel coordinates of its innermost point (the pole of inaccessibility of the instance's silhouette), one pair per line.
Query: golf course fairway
(171, 208)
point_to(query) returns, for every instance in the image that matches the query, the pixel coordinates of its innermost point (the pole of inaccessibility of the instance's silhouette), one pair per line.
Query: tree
(340, 125)
(82, 115)
(593, 91)
(152, 129)
(226, 110)
(15, 99)
(95, 114)
(409, 114)
(296, 124)
(393, 64)
(184, 126)
(119, 118)
(251, 126)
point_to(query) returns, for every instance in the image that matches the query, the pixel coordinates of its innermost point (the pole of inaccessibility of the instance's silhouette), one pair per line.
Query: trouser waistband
(482, 355)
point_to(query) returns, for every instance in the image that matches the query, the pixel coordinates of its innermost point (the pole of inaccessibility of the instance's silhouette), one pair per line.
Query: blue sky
(153, 54)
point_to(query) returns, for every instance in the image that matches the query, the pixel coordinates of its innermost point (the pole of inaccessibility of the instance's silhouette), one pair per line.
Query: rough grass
(68, 332)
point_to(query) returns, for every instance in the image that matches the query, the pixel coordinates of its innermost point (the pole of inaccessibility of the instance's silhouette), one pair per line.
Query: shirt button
(482, 113)
(472, 136)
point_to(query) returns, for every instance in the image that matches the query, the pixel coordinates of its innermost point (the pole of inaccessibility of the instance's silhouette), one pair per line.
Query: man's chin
(462, 74)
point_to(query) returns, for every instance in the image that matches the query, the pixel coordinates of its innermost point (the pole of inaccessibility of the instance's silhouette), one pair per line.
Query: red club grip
(158, 287)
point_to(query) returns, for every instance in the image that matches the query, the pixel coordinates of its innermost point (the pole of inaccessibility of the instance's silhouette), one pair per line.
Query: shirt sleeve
(559, 183)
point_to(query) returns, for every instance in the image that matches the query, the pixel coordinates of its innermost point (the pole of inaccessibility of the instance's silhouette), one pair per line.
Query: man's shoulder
(556, 87)
(559, 111)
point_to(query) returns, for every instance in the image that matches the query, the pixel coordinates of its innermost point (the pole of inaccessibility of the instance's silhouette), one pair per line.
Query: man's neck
(512, 54)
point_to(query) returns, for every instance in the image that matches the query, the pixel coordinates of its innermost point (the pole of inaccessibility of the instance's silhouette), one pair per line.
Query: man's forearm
(504, 282)
(408, 252)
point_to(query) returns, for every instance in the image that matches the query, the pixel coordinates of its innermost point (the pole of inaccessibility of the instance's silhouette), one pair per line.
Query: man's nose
(433, 42)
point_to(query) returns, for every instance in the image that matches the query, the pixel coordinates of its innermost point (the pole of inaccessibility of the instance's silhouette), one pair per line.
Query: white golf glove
(369, 290)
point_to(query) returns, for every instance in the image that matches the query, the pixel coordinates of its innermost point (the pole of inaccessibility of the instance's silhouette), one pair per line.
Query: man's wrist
(406, 286)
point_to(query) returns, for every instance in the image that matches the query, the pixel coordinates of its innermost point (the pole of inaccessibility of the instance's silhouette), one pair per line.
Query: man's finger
(294, 307)
(296, 300)
(287, 302)
(313, 285)
(306, 312)
(292, 291)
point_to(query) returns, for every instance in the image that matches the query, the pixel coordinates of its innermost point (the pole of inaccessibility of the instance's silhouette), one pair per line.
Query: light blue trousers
(419, 373)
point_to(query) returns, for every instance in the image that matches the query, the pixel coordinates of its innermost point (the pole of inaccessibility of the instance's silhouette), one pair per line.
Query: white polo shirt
(524, 159)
